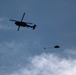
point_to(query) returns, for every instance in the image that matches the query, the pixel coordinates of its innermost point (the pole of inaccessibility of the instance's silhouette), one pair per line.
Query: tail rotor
(34, 27)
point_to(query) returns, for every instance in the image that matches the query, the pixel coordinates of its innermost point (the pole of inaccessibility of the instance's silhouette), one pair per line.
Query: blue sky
(22, 52)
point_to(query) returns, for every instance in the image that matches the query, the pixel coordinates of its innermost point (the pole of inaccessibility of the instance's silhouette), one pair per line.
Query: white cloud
(48, 64)
(12, 47)
(71, 51)
(5, 24)
(2, 19)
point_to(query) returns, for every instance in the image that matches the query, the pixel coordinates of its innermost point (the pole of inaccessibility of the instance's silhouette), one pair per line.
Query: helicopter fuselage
(23, 24)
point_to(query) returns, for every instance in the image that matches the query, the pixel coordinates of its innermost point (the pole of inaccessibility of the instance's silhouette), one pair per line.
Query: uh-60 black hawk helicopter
(23, 24)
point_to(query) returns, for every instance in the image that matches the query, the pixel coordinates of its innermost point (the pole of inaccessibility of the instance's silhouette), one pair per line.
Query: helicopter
(56, 46)
(23, 24)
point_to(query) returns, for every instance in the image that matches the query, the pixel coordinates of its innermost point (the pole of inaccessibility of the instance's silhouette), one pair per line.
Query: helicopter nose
(15, 22)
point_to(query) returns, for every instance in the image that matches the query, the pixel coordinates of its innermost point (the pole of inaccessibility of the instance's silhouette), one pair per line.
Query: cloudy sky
(22, 52)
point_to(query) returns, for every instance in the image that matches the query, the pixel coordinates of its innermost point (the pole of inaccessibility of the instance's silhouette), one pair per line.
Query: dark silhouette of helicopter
(57, 46)
(23, 24)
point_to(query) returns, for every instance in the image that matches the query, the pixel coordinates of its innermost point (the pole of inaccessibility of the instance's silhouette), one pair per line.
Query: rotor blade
(23, 16)
(18, 28)
(12, 20)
